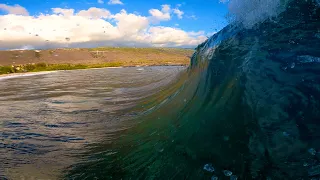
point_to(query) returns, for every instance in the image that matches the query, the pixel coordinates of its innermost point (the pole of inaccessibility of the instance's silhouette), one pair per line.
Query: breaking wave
(248, 106)
(251, 12)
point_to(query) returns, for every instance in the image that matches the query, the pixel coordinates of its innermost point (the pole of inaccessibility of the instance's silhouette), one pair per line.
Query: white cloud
(162, 36)
(90, 28)
(178, 12)
(115, 2)
(94, 13)
(16, 9)
(130, 24)
(192, 33)
(161, 15)
(100, 1)
(165, 13)
(165, 8)
(63, 12)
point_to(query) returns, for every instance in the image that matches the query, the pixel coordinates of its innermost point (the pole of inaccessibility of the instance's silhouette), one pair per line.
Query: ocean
(47, 119)
(247, 107)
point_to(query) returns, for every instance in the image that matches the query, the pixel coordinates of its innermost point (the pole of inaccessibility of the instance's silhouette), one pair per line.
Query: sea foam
(10, 76)
(250, 12)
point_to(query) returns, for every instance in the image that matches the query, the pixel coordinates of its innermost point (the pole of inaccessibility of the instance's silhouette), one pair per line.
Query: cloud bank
(91, 27)
(16, 9)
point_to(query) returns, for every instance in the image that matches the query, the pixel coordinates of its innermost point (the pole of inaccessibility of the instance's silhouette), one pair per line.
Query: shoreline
(40, 67)
(21, 61)
(33, 73)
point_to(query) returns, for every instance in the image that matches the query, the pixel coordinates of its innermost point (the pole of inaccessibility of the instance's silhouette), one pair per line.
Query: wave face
(249, 104)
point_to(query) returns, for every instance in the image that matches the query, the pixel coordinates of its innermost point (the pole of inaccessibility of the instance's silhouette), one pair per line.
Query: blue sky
(207, 16)
(209, 13)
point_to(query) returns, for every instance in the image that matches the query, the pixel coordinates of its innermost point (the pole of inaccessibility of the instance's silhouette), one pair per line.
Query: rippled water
(247, 108)
(46, 120)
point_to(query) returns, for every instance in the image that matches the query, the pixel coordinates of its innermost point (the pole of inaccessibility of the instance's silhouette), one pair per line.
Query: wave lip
(250, 12)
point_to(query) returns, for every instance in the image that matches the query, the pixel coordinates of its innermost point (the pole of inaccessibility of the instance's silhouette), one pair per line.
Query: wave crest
(250, 12)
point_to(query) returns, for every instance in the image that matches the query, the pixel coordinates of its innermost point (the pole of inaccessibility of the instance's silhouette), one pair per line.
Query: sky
(91, 23)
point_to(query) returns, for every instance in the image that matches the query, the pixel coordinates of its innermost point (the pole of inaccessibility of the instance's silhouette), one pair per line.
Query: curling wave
(248, 106)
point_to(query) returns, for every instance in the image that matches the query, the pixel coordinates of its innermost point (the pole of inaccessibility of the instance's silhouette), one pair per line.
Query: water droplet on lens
(285, 134)
(214, 177)
(208, 167)
(233, 177)
(312, 151)
(227, 173)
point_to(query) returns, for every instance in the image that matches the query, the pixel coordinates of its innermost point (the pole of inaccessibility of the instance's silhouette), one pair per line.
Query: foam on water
(10, 76)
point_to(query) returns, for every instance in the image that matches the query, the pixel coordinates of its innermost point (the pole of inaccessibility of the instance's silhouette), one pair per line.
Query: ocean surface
(48, 120)
(247, 107)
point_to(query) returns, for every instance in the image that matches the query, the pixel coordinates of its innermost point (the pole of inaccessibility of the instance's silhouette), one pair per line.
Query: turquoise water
(248, 105)
(246, 108)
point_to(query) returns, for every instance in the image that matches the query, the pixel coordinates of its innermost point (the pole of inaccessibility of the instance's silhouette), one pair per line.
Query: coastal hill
(118, 56)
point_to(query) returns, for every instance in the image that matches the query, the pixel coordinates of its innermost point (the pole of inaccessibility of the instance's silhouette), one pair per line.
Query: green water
(248, 104)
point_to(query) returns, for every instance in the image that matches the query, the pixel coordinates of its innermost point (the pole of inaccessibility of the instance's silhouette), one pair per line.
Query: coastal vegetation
(37, 67)
(20, 61)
